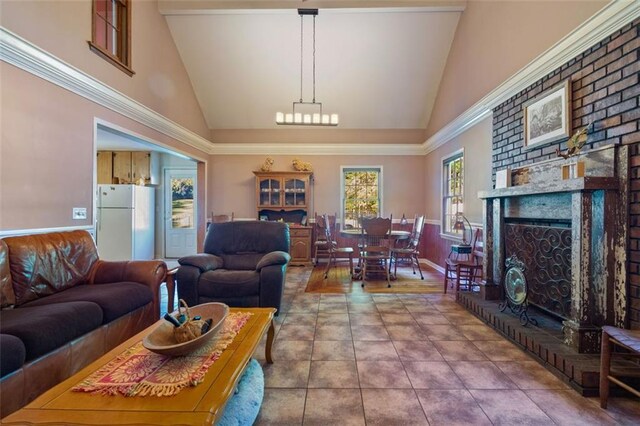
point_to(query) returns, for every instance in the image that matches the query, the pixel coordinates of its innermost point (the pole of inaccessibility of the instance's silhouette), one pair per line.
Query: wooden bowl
(162, 341)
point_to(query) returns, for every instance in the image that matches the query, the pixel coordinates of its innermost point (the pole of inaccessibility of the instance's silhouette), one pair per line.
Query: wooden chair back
(375, 233)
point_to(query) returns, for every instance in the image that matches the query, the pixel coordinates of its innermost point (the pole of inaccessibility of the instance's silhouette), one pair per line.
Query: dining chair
(334, 250)
(322, 243)
(411, 251)
(464, 272)
(375, 251)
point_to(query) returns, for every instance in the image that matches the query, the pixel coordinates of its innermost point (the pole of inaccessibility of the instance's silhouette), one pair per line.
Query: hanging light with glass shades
(307, 119)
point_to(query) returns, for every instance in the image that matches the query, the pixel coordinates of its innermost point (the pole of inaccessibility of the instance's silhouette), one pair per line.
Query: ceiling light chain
(296, 118)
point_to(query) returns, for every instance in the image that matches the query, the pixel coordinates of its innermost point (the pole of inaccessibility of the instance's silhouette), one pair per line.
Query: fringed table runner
(139, 372)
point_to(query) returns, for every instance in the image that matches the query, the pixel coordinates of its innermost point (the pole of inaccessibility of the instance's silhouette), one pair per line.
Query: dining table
(395, 235)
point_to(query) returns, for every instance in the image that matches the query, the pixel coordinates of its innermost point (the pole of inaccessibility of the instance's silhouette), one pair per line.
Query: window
(182, 212)
(452, 191)
(361, 194)
(111, 30)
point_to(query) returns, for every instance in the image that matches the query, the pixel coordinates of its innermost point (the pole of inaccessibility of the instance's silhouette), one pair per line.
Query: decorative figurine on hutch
(302, 166)
(267, 165)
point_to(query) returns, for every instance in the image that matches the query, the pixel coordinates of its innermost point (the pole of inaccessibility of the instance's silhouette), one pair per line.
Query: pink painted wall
(493, 41)
(46, 151)
(160, 81)
(46, 135)
(232, 183)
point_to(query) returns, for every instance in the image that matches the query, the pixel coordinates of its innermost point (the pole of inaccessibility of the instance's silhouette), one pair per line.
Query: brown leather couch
(62, 308)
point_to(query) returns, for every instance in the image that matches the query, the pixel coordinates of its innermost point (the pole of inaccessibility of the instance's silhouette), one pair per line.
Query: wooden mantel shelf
(587, 183)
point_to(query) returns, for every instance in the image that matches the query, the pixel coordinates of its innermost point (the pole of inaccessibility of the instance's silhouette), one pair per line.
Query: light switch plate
(79, 213)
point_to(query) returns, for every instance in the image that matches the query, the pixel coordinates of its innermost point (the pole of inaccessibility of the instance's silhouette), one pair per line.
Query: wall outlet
(79, 213)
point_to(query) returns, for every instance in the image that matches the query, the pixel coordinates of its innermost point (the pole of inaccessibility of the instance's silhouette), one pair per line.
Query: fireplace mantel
(595, 206)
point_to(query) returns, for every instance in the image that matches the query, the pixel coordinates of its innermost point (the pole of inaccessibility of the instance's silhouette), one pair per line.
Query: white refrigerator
(125, 226)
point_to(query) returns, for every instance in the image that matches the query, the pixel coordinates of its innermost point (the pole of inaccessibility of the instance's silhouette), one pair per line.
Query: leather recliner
(243, 265)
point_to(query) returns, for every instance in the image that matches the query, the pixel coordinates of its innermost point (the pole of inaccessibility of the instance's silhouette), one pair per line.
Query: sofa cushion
(115, 299)
(7, 296)
(45, 328)
(245, 262)
(45, 264)
(12, 354)
(225, 283)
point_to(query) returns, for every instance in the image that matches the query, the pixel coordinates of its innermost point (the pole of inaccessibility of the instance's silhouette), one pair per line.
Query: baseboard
(433, 265)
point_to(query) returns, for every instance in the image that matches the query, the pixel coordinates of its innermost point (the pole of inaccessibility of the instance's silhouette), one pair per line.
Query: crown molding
(315, 149)
(23, 54)
(610, 18)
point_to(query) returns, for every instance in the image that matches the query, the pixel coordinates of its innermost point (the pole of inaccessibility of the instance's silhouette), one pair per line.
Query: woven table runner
(139, 372)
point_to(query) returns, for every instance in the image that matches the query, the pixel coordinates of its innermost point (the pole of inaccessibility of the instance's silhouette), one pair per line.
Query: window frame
(344, 169)
(444, 162)
(124, 43)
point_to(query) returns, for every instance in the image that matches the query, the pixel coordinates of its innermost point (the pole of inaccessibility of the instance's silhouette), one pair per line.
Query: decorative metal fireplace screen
(546, 253)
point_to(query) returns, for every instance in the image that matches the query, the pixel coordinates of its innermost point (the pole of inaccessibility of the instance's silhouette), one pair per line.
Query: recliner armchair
(243, 265)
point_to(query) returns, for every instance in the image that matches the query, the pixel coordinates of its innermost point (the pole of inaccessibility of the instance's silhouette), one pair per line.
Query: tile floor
(389, 359)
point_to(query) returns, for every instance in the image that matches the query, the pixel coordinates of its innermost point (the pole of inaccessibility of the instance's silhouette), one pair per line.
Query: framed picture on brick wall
(547, 118)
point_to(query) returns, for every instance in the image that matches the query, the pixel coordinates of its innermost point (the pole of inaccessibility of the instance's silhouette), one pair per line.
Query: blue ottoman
(244, 405)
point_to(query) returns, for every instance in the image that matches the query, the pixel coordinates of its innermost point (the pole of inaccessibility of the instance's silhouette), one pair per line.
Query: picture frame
(547, 117)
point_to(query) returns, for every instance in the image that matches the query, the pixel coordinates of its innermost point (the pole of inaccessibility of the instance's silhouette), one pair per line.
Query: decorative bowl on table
(162, 341)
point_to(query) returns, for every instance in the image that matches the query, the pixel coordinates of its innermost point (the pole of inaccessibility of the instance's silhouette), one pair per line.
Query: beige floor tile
(432, 375)
(366, 319)
(300, 319)
(397, 319)
(530, 375)
(282, 407)
(567, 407)
(406, 332)
(451, 408)
(332, 319)
(334, 406)
(333, 332)
(369, 332)
(435, 318)
(626, 410)
(296, 332)
(459, 318)
(290, 374)
(333, 374)
(459, 351)
(443, 332)
(375, 351)
(510, 407)
(391, 407)
(333, 350)
(481, 375)
(417, 351)
(333, 307)
(299, 350)
(382, 374)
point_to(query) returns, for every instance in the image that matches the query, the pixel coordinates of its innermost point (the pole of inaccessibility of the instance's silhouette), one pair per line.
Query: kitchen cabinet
(122, 167)
(283, 190)
(300, 245)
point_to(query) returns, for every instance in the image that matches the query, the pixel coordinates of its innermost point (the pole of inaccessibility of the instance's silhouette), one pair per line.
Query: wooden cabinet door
(105, 167)
(300, 248)
(141, 165)
(122, 166)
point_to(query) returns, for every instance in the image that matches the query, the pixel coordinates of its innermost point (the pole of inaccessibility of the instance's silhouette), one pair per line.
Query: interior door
(180, 212)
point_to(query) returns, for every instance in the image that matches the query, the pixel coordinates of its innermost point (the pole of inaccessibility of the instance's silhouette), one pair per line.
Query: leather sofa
(62, 308)
(243, 265)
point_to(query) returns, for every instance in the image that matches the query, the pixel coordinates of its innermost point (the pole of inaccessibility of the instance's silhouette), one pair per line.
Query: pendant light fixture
(318, 118)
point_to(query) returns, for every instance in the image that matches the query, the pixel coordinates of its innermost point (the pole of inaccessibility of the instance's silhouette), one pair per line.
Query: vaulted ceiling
(378, 67)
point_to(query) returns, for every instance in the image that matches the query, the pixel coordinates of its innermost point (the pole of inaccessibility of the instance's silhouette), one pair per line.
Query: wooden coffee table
(202, 404)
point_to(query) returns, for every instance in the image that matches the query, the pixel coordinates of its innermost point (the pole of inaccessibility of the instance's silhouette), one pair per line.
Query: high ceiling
(379, 68)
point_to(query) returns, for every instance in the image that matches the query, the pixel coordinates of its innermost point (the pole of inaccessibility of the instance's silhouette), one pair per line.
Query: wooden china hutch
(286, 196)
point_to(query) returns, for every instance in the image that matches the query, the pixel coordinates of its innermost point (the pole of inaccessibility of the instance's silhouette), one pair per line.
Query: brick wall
(605, 91)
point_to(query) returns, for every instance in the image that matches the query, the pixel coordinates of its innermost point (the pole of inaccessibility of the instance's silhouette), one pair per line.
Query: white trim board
(25, 55)
(433, 265)
(16, 232)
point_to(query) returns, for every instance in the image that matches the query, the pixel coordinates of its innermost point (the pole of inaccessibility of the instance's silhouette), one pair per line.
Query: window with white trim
(452, 191)
(361, 194)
